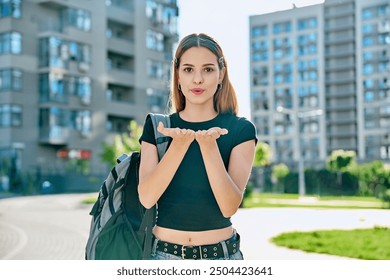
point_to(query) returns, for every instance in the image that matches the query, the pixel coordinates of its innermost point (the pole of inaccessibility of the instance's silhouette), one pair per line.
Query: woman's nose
(198, 78)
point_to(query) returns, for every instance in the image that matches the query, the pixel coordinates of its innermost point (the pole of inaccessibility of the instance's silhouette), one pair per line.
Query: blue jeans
(159, 255)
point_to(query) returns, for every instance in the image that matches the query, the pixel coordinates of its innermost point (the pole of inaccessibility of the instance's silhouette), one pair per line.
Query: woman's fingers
(210, 134)
(176, 133)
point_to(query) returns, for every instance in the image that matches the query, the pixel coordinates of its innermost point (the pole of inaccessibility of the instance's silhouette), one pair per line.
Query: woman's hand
(204, 137)
(178, 135)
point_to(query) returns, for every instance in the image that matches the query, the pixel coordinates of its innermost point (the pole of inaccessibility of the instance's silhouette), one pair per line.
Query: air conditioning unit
(83, 67)
(85, 99)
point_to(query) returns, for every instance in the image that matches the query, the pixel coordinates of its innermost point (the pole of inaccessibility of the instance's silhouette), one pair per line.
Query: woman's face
(199, 76)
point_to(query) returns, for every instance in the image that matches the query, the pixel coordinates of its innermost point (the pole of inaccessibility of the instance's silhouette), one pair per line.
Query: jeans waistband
(221, 249)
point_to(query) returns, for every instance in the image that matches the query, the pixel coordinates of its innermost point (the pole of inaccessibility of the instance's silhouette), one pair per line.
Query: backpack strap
(161, 139)
(150, 215)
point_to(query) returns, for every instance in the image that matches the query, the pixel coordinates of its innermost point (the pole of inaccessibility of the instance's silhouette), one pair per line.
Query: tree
(374, 178)
(123, 143)
(262, 154)
(262, 159)
(279, 172)
(340, 161)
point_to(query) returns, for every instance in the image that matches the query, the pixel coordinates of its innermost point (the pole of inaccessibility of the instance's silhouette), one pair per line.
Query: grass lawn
(89, 200)
(293, 200)
(367, 244)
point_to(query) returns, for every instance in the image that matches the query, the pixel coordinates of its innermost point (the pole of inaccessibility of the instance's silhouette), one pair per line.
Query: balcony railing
(54, 135)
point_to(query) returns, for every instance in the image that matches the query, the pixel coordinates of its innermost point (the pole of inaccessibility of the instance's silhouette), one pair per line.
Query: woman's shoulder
(236, 120)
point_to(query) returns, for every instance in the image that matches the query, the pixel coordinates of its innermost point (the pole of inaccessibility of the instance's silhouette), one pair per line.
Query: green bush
(386, 197)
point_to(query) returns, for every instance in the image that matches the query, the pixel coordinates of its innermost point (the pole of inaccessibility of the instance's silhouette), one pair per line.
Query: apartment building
(319, 80)
(73, 74)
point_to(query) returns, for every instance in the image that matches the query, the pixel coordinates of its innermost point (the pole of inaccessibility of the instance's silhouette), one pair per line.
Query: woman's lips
(197, 91)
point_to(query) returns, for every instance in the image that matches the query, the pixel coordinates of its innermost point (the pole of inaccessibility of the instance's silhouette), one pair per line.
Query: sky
(228, 22)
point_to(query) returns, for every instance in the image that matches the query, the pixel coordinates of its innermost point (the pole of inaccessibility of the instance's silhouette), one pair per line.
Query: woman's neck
(197, 115)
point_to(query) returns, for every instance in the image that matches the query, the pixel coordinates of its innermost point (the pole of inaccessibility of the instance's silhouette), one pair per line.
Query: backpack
(121, 228)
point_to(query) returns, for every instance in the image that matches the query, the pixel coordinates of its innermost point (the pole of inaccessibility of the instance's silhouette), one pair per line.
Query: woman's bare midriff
(193, 238)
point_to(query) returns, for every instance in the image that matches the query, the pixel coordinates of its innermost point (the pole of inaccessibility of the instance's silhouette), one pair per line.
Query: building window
(126, 4)
(282, 27)
(307, 44)
(58, 88)
(163, 15)
(156, 99)
(10, 43)
(157, 69)
(78, 18)
(10, 8)
(367, 13)
(308, 23)
(116, 93)
(81, 121)
(260, 75)
(259, 31)
(384, 39)
(53, 117)
(259, 101)
(56, 52)
(368, 69)
(10, 115)
(368, 28)
(118, 124)
(11, 79)
(154, 40)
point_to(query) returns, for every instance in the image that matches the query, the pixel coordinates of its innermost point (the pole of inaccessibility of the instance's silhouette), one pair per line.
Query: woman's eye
(187, 69)
(208, 69)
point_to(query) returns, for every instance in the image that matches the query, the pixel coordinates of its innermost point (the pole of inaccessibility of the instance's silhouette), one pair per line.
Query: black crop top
(188, 203)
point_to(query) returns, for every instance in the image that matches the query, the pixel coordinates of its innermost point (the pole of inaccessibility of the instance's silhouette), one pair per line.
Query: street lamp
(297, 115)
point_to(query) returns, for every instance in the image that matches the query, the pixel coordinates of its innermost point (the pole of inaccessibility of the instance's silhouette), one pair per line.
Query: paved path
(56, 227)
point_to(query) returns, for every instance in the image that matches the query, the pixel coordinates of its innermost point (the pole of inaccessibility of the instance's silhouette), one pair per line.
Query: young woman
(200, 181)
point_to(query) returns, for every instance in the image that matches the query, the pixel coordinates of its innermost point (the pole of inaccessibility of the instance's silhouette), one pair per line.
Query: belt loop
(154, 247)
(225, 250)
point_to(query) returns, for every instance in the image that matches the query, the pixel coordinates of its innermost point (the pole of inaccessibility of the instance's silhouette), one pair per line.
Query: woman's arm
(154, 176)
(228, 186)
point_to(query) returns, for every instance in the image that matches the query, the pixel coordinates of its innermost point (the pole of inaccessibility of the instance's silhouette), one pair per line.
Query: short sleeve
(148, 132)
(245, 131)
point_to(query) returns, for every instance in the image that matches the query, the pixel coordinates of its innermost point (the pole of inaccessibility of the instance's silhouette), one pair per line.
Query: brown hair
(225, 100)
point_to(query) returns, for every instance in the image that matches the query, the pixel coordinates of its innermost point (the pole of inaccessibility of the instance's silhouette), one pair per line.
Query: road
(55, 227)
(52, 227)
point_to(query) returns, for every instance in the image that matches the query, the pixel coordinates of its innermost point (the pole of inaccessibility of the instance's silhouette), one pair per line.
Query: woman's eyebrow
(204, 65)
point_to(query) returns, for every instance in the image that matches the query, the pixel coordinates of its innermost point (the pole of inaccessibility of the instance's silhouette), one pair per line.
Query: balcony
(54, 135)
(120, 77)
(120, 14)
(50, 26)
(121, 46)
(340, 51)
(53, 3)
(341, 107)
